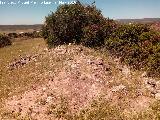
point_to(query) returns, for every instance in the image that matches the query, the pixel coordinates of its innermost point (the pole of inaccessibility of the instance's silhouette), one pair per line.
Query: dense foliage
(137, 45)
(4, 41)
(94, 35)
(75, 23)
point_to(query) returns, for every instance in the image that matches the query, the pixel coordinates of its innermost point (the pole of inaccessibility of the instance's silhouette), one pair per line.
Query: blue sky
(115, 9)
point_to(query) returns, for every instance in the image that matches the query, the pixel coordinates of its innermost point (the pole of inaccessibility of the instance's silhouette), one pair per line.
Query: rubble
(22, 61)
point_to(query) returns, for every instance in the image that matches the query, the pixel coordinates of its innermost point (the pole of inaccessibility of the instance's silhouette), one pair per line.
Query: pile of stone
(21, 62)
(154, 87)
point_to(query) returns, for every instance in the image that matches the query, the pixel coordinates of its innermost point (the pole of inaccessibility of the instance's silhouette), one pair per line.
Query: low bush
(12, 35)
(4, 41)
(94, 35)
(37, 34)
(33, 34)
(138, 46)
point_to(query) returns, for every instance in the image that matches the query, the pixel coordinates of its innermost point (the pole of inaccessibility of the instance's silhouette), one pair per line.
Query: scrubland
(82, 69)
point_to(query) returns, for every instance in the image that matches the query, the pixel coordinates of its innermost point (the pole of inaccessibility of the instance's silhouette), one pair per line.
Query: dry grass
(12, 80)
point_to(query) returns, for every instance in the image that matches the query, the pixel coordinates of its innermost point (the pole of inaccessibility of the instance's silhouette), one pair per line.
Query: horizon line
(108, 17)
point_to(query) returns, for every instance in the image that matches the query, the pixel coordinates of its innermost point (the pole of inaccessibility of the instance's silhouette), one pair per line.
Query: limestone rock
(118, 88)
(157, 96)
(99, 61)
(158, 85)
(151, 83)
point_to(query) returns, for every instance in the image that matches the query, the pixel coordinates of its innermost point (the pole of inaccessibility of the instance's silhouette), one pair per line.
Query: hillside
(144, 20)
(72, 82)
(19, 28)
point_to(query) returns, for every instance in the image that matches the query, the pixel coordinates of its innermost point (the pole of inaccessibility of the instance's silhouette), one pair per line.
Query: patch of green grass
(6, 115)
(60, 110)
(104, 110)
(152, 113)
(100, 110)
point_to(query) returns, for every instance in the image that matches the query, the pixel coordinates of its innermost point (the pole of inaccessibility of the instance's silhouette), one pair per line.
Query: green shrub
(138, 46)
(37, 34)
(45, 32)
(153, 63)
(33, 34)
(94, 35)
(130, 33)
(12, 35)
(4, 41)
(72, 23)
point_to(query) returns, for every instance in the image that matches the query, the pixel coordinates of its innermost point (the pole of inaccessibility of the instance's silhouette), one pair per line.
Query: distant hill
(18, 28)
(144, 20)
